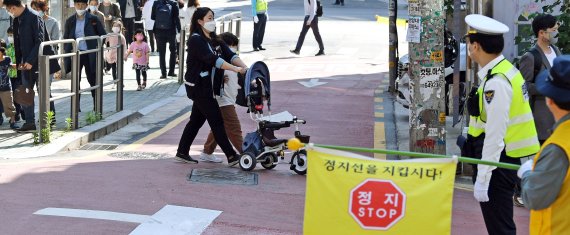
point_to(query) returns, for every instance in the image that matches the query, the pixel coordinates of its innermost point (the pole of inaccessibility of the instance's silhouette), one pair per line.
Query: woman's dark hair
(193, 3)
(492, 44)
(41, 4)
(195, 27)
(543, 22)
(137, 32)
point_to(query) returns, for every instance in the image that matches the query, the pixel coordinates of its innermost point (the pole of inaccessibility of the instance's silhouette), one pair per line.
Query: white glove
(527, 166)
(480, 191)
(255, 19)
(266, 16)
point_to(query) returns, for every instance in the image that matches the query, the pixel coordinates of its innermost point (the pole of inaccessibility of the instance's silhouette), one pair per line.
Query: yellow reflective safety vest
(521, 139)
(261, 6)
(554, 219)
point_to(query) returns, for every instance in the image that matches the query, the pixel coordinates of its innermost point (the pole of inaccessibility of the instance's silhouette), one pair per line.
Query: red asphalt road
(339, 112)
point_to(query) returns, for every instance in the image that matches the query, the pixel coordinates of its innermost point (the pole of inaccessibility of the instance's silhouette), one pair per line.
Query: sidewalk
(157, 92)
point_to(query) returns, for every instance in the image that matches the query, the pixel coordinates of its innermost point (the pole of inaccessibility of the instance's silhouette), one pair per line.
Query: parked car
(403, 77)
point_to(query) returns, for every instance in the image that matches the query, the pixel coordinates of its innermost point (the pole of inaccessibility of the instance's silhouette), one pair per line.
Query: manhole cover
(223, 176)
(139, 155)
(99, 147)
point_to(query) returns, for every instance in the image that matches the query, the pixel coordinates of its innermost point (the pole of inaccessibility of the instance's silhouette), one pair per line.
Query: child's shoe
(144, 85)
(14, 126)
(139, 88)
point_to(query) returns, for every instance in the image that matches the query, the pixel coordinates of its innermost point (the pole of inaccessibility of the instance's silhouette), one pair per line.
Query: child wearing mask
(111, 55)
(226, 102)
(6, 89)
(12, 71)
(140, 50)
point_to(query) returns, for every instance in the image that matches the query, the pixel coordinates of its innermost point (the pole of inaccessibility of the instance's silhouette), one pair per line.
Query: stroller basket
(303, 138)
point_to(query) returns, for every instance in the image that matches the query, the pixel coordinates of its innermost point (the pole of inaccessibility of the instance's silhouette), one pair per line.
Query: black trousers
(161, 40)
(259, 30)
(205, 109)
(151, 39)
(90, 72)
(498, 211)
(129, 24)
(315, 27)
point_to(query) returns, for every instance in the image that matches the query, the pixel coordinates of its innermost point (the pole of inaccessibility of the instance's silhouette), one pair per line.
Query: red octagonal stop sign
(377, 204)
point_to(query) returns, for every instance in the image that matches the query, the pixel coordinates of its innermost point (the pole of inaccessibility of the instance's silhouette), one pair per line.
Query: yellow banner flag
(353, 194)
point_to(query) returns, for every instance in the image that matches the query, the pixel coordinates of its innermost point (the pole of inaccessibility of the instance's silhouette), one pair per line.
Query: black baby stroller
(261, 145)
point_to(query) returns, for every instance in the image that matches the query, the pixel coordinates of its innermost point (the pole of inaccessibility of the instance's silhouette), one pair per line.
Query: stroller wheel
(247, 161)
(269, 161)
(299, 162)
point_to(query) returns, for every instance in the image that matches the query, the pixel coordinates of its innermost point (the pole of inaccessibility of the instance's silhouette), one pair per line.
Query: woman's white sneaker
(209, 158)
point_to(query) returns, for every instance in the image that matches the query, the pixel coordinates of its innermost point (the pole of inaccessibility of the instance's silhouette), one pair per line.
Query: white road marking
(312, 83)
(168, 220)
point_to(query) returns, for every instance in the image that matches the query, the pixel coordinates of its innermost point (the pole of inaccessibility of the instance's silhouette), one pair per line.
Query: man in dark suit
(130, 10)
(84, 24)
(29, 33)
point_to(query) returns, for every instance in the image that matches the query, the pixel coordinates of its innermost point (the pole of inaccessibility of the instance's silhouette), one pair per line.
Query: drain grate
(223, 176)
(99, 147)
(140, 155)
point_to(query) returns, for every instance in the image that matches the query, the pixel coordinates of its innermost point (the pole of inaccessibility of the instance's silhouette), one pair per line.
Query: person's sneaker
(295, 52)
(185, 158)
(517, 201)
(163, 77)
(53, 123)
(209, 158)
(27, 127)
(320, 53)
(14, 126)
(261, 48)
(172, 75)
(233, 160)
(139, 88)
(255, 49)
(144, 85)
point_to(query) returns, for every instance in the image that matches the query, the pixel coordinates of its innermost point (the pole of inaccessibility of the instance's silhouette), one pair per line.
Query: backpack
(163, 15)
(319, 12)
(537, 61)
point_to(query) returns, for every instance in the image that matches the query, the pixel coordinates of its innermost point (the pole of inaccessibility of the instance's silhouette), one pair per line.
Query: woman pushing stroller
(204, 77)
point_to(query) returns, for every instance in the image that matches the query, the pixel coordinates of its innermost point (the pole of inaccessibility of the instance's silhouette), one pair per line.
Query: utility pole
(456, 74)
(427, 110)
(393, 38)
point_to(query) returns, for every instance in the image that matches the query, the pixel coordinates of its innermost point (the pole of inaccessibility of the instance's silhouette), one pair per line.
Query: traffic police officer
(501, 122)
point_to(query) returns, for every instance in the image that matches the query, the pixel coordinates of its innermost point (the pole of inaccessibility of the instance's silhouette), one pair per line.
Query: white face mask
(210, 26)
(553, 37)
(116, 29)
(93, 8)
(80, 12)
(11, 15)
(41, 13)
(10, 39)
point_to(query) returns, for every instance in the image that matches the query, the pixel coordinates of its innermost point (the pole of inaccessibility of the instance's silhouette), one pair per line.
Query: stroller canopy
(257, 70)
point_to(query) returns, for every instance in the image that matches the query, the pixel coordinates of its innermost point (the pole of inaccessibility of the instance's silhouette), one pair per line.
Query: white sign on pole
(414, 8)
(414, 29)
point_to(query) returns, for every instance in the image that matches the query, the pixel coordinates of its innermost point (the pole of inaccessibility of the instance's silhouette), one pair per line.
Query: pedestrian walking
(129, 13)
(203, 82)
(94, 10)
(111, 55)
(83, 24)
(311, 21)
(6, 96)
(226, 102)
(537, 59)
(29, 33)
(149, 23)
(12, 72)
(111, 12)
(260, 17)
(141, 52)
(501, 127)
(545, 179)
(166, 26)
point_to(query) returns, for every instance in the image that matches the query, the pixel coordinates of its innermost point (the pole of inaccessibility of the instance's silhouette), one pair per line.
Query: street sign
(377, 204)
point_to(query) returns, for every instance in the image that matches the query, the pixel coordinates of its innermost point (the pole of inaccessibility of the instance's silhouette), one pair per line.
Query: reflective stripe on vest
(261, 6)
(521, 138)
(554, 219)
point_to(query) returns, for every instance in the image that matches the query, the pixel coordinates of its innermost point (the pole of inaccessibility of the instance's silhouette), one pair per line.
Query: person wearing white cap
(501, 122)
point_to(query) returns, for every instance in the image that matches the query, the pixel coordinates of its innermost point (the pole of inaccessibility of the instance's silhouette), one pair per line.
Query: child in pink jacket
(111, 55)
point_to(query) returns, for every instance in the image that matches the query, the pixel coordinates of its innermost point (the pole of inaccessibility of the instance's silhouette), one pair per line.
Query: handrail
(120, 67)
(44, 83)
(98, 102)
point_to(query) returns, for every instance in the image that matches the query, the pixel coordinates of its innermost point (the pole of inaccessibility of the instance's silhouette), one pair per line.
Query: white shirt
(186, 14)
(310, 8)
(230, 90)
(551, 56)
(147, 11)
(497, 110)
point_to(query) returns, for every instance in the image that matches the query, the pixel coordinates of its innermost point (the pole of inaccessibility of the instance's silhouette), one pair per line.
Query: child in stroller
(261, 145)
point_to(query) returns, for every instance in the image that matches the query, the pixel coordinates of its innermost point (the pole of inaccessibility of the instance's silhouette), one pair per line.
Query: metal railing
(98, 102)
(120, 66)
(231, 20)
(44, 82)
